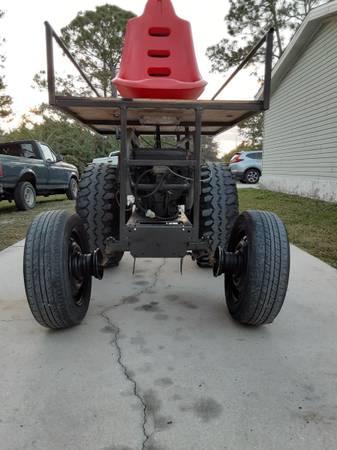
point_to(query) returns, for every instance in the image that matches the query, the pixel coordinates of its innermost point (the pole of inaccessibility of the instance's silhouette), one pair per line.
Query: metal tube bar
(268, 69)
(116, 122)
(159, 162)
(123, 174)
(158, 137)
(50, 65)
(243, 63)
(51, 33)
(219, 105)
(171, 133)
(187, 144)
(197, 173)
(165, 187)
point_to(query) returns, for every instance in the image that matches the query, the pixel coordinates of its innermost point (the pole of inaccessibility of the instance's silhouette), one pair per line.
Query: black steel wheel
(72, 190)
(97, 205)
(25, 196)
(255, 295)
(252, 176)
(219, 208)
(58, 291)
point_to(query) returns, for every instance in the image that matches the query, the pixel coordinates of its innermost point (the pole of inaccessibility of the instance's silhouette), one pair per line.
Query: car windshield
(47, 153)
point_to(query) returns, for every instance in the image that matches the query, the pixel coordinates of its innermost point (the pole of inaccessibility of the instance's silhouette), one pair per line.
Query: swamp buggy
(160, 201)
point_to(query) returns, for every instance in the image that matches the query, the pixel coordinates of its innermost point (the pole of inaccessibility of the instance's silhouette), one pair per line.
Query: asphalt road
(159, 365)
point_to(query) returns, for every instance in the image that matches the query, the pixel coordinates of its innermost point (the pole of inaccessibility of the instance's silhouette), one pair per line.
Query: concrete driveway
(159, 365)
(240, 185)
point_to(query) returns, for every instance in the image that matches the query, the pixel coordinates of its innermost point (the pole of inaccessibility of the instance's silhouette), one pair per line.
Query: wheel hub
(252, 177)
(74, 187)
(86, 265)
(228, 262)
(29, 196)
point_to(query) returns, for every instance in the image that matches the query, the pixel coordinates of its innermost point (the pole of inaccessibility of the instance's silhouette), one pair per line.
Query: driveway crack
(115, 331)
(115, 343)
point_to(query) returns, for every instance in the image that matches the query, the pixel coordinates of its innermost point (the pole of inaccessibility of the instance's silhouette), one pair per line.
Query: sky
(23, 29)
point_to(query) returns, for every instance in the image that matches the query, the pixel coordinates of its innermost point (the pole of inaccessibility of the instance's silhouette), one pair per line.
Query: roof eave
(306, 32)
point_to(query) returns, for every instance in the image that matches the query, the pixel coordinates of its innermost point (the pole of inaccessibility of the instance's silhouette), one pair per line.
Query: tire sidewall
(74, 311)
(72, 193)
(263, 283)
(254, 269)
(21, 201)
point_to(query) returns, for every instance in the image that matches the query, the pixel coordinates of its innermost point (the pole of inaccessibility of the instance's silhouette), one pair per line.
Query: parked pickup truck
(30, 168)
(112, 159)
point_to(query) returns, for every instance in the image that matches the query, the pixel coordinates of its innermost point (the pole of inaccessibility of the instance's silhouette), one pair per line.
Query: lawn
(311, 224)
(14, 224)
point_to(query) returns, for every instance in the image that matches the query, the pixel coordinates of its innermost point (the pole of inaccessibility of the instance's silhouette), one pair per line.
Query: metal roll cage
(77, 108)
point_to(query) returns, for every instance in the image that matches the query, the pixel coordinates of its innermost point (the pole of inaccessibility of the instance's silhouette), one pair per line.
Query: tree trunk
(272, 9)
(113, 87)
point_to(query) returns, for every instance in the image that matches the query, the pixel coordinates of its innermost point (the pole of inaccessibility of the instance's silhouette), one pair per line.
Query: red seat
(158, 59)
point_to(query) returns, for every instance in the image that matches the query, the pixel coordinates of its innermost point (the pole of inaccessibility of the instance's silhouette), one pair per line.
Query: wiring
(179, 176)
(138, 199)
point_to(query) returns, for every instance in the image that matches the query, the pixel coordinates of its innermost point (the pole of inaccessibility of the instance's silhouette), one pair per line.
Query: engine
(160, 190)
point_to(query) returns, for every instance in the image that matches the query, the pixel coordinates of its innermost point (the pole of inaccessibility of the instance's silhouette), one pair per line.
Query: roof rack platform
(103, 115)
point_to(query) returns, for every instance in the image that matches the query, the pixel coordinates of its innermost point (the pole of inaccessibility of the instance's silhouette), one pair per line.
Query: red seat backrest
(159, 45)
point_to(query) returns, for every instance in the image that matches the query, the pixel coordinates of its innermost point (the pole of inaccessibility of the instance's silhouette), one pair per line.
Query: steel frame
(183, 235)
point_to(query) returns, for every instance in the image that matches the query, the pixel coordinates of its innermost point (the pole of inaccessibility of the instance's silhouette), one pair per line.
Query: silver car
(247, 166)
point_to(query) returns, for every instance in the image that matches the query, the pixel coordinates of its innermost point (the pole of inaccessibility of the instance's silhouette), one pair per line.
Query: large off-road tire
(56, 298)
(256, 294)
(97, 205)
(72, 190)
(25, 196)
(219, 208)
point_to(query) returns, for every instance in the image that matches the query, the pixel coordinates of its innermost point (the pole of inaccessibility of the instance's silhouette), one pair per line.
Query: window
(25, 150)
(10, 150)
(255, 155)
(28, 151)
(47, 153)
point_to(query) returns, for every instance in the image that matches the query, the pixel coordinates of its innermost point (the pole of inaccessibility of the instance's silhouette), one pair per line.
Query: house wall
(300, 142)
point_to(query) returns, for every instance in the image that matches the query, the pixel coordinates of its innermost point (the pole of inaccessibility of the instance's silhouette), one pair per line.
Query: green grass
(14, 224)
(311, 224)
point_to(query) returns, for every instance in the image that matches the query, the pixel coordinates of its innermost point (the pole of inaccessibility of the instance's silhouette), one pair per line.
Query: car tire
(57, 298)
(72, 190)
(256, 294)
(25, 196)
(252, 176)
(219, 208)
(97, 205)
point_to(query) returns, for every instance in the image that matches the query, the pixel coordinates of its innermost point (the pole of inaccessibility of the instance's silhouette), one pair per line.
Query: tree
(65, 85)
(95, 39)
(247, 21)
(210, 149)
(5, 100)
(251, 131)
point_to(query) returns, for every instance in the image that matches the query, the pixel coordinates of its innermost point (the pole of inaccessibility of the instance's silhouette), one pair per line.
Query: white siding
(300, 141)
